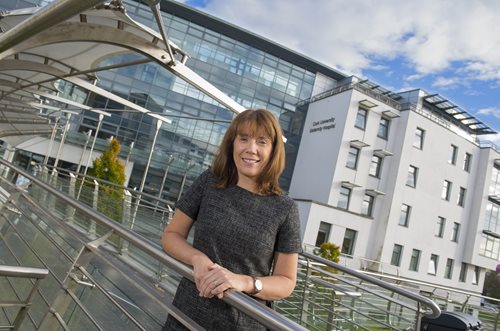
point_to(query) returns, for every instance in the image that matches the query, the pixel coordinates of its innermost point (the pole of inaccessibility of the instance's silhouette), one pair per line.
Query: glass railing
(18, 286)
(102, 277)
(319, 301)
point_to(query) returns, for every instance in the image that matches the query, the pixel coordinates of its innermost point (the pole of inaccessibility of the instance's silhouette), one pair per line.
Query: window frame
(396, 256)
(415, 260)
(435, 260)
(446, 192)
(462, 193)
(453, 156)
(462, 278)
(363, 118)
(477, 275)
(375, 165)
(405, 212)
(327, 233)
(348, 197)
(455, 232)
(418, 141)
(448, 270)
(441, 226)
(348, 249)
(368, 205)
(467, 161)
(384, 128)
(412, 174)
(351, 158)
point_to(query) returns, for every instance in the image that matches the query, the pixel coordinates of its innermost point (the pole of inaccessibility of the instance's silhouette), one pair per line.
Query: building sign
(319, 126)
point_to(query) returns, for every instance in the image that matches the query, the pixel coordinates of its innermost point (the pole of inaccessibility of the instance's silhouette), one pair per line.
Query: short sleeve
(288, 239)
(190, 201)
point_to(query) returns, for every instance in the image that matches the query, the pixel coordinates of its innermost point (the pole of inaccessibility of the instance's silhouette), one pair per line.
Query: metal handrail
(21, 272)
(434, 308)
(247, 305)
(116, 187)
(24, 272)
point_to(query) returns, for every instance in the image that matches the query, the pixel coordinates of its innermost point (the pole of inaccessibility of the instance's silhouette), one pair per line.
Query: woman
(247, 231)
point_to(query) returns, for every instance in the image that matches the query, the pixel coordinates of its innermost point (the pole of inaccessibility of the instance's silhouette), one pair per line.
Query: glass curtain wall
(252, 77)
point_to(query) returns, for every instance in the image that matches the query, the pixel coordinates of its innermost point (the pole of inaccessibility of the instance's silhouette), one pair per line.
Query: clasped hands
(212, 280)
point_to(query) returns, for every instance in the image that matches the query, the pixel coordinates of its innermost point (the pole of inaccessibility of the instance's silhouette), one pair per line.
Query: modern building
(399, 180)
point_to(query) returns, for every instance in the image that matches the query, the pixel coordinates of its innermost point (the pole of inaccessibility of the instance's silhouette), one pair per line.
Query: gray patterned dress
(240, 231)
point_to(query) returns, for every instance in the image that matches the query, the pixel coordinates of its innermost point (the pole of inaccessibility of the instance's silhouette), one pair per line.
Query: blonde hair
(257, 122)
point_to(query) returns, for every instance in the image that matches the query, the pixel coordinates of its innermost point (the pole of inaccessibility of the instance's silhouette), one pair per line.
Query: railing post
(71, 282)
(126, 219)
(95, 199)
(161, 267)
(70, 211)
(305, 305)
(53, 181)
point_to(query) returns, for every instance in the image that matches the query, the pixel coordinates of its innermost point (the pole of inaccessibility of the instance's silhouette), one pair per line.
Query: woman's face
(251, 154)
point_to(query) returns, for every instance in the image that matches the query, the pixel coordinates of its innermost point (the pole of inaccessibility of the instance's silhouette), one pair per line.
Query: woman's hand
(219, 279)
(201, 267)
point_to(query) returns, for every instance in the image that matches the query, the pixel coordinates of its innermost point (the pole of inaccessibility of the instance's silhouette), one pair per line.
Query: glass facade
(254, 78)
(490, 244)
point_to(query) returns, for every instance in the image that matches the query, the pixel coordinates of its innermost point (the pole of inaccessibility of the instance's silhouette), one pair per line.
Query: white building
(400, 179)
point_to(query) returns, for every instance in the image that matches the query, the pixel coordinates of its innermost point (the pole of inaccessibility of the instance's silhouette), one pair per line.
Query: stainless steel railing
(14, 300)
(263, 314)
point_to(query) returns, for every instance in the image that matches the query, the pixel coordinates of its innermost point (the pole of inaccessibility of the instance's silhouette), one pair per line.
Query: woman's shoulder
(283, 199)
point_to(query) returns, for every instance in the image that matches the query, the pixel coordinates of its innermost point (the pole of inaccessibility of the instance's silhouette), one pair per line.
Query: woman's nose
(252, 146)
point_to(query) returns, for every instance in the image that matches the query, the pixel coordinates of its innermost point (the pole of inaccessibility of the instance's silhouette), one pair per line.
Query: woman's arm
(282, 282)
(175, 243)
(275, 287)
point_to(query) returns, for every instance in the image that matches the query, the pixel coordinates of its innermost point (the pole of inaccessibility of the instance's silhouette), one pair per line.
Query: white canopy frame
(66, 40)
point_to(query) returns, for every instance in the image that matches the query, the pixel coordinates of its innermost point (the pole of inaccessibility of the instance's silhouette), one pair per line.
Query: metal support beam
(50, 15)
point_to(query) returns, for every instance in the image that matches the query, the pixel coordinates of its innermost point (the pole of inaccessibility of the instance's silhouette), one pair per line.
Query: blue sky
(450, 47)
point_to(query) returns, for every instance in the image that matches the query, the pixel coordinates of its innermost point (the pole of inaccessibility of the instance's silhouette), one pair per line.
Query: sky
(450, 47)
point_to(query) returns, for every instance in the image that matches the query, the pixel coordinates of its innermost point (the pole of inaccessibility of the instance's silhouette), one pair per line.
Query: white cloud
(428, 35)
(446, 81)
(490, 111)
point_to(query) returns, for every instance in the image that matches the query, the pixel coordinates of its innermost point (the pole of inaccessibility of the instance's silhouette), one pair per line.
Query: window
(419, 138)
(352, 157)
(397, 251)
(361, 118)
(448, 271)
(404, 217)
(367, 206)
(349, 242)
(467, 161)
(463, 272)
(453, 155)
(445, 194)
(477, 273)
(345, 196)
(415, 260)
(323, 233)
(412, 176)
(455, 232)
(461, 196)
(433, 264)
(375, 166)
(383, 128)
(441, 222)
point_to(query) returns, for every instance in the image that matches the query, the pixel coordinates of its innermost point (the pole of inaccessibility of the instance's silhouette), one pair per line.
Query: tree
(491, 286)
(108, 167)
(329, 251)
